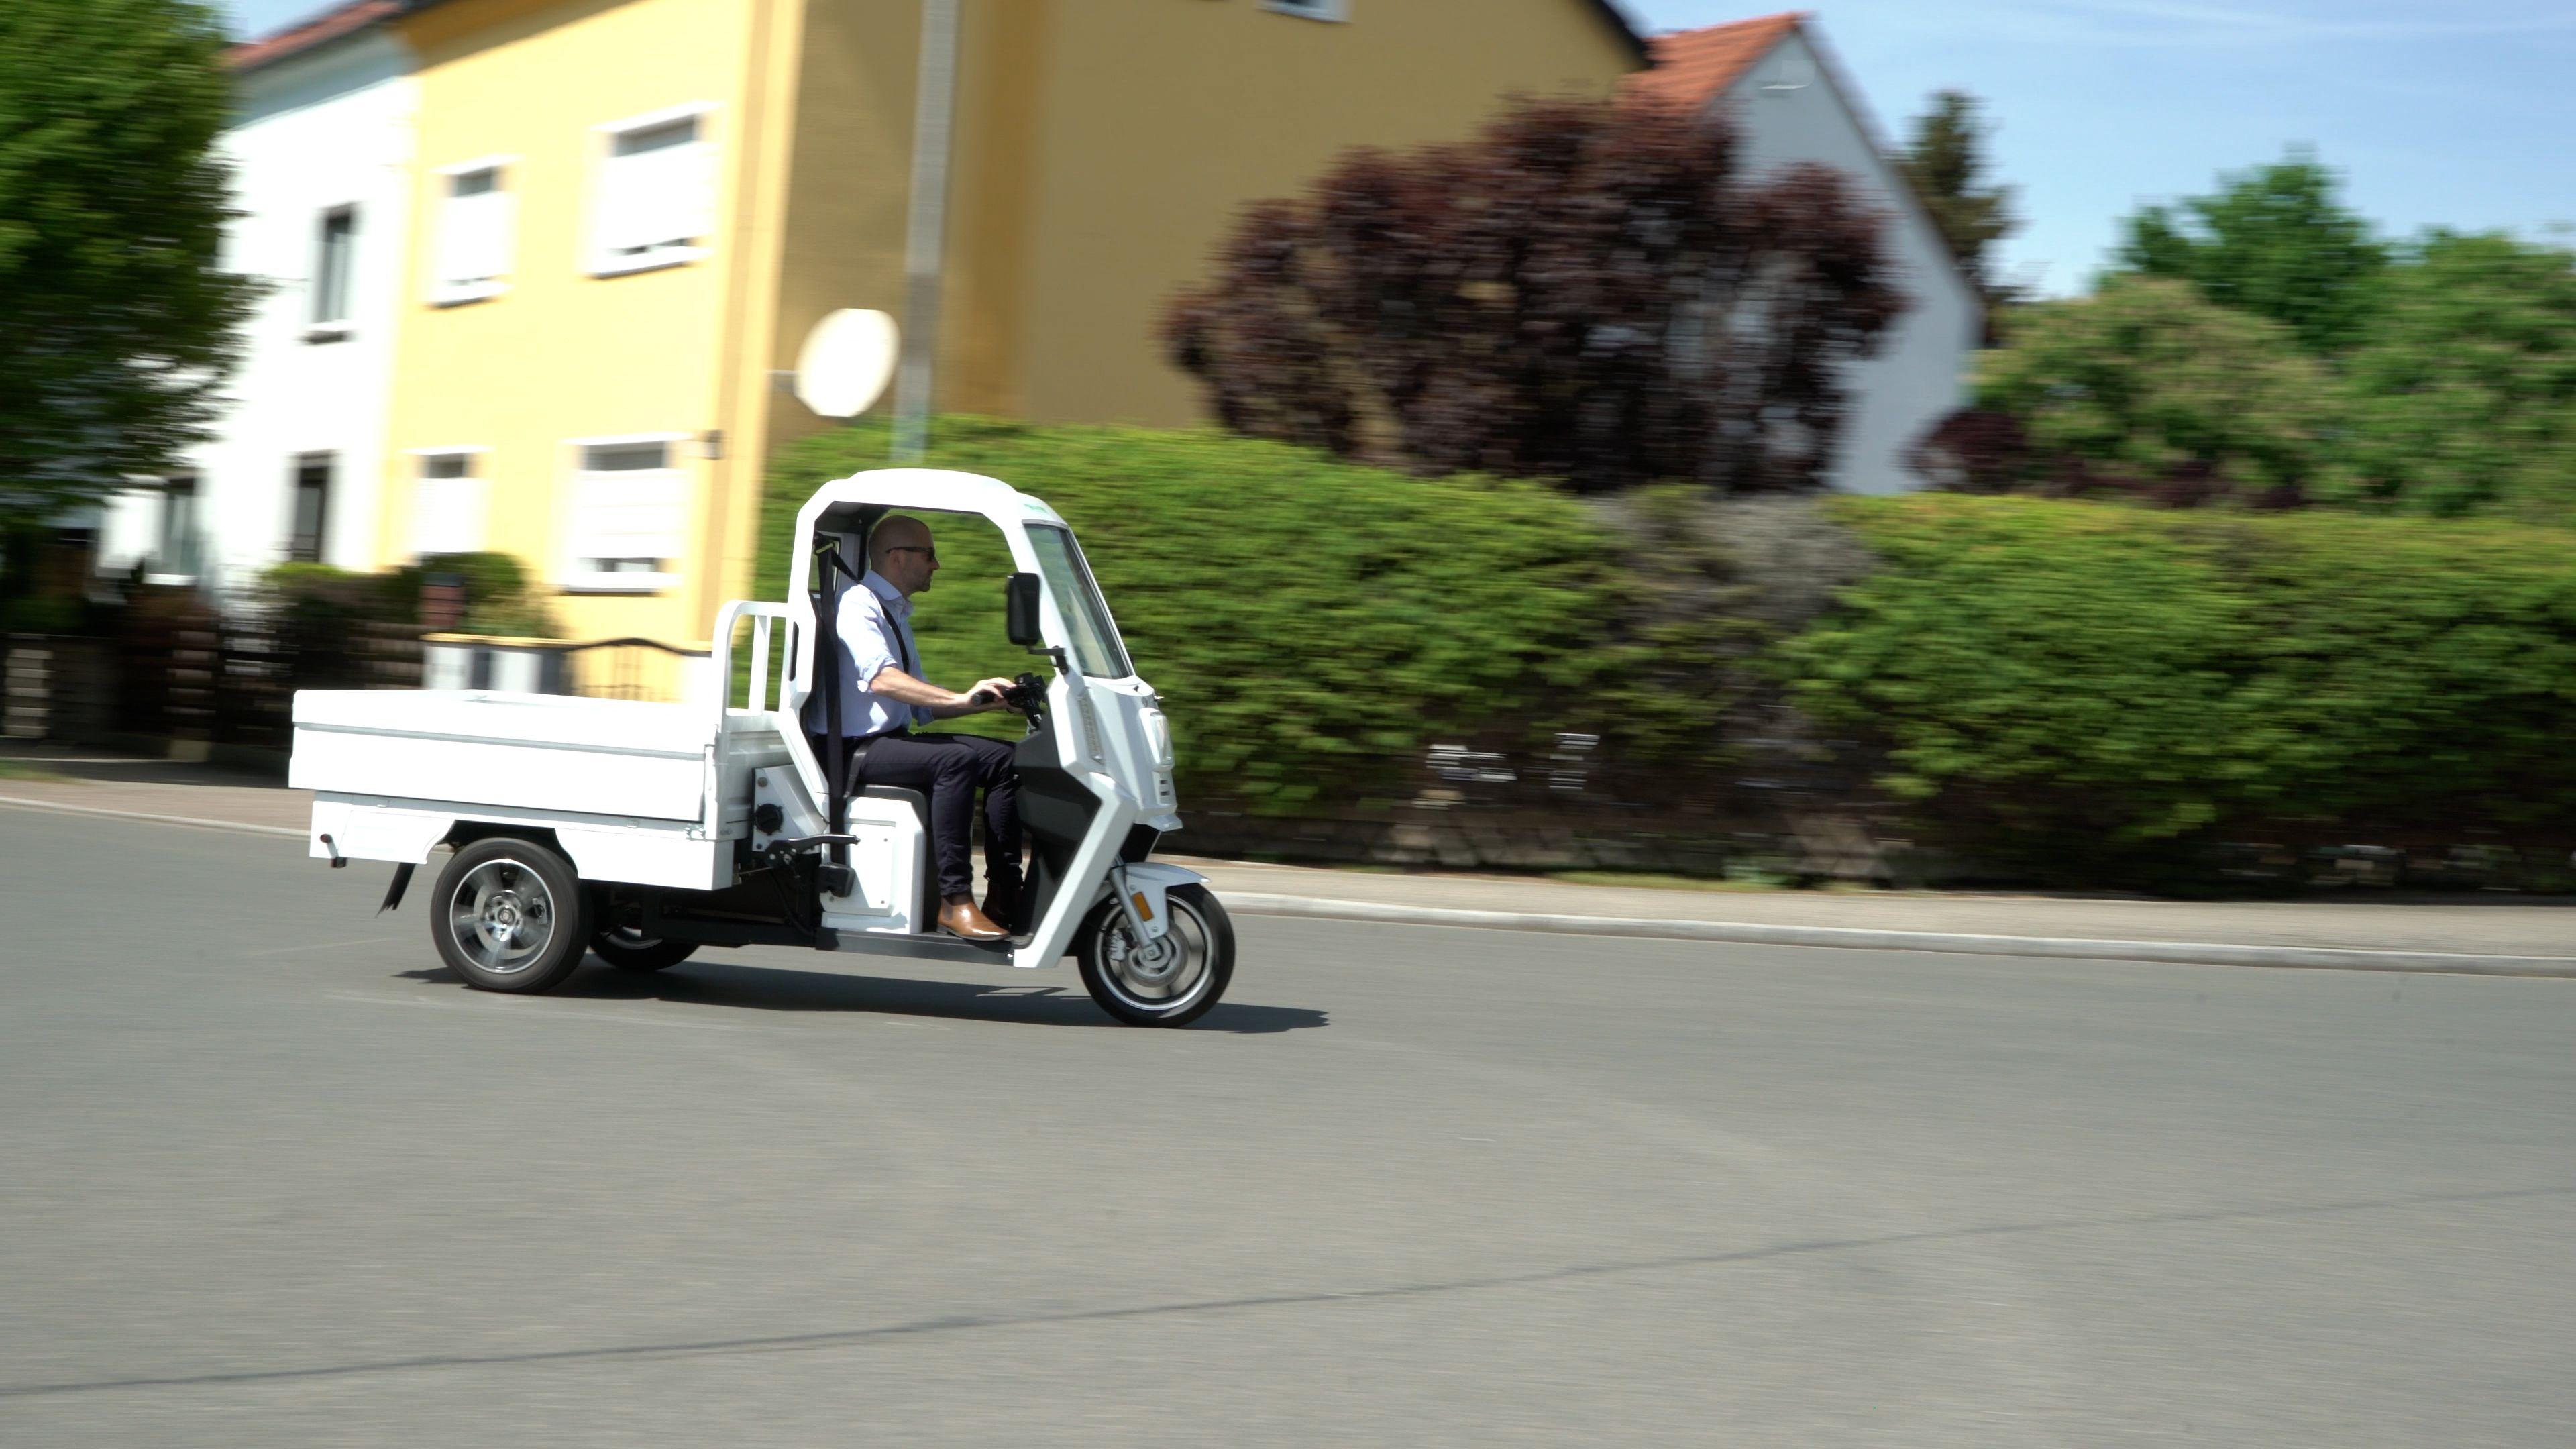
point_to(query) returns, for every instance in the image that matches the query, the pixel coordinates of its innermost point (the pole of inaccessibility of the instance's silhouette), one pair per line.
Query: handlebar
(1027, 696)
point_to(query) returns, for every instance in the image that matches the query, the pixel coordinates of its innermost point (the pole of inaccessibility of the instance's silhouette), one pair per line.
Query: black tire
(510, 915)
(629, 949)
(1148, 996)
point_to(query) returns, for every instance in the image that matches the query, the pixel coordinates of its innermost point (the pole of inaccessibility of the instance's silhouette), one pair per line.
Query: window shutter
(670, 191)
(629, 513)
(693, 192)
(474, 238)
(622, 206)
(447, 515)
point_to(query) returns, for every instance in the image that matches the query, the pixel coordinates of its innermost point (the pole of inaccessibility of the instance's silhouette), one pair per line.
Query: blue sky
(2452, 112)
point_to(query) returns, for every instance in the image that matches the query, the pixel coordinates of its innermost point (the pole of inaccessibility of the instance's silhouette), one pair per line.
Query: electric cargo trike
(644, 830)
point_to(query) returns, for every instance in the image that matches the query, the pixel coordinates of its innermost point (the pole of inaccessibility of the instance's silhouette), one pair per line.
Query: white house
(1790, 104)
(321, 150)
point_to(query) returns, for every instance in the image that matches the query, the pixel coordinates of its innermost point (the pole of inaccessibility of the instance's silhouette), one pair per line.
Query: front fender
(1153, 880)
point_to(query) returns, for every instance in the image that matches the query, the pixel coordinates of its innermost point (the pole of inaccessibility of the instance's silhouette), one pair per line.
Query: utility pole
(927, 229)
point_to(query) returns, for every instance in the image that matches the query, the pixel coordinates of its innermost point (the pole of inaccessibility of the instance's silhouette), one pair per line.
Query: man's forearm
(894, 684)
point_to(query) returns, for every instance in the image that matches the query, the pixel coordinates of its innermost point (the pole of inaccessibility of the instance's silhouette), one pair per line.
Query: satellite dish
(846, 362)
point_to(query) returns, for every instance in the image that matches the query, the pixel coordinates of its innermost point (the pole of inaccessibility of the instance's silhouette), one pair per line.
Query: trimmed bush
(1312, 624)
(2096, 691)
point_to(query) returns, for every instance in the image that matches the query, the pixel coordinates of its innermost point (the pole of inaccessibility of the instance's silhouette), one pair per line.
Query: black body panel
(1057, 811)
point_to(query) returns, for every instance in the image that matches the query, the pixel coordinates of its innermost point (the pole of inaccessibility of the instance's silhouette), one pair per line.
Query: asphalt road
(269, 1176)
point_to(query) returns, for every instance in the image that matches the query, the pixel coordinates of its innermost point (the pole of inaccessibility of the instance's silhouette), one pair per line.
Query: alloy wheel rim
(502, 916)
(1158, 980)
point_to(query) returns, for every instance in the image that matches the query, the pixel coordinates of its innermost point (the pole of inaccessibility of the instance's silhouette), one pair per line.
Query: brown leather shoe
(962, 919)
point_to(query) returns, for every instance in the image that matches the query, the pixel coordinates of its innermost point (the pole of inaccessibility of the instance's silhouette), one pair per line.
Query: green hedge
(2088, 689)
(1312, 625)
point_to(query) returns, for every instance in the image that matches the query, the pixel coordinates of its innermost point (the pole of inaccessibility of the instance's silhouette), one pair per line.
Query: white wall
(327, 129)
(1787, 110)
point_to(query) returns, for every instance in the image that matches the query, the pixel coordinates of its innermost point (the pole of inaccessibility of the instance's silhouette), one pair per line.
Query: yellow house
(631, 211)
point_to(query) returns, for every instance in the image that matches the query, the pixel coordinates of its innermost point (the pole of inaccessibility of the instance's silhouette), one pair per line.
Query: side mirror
(1020, 604)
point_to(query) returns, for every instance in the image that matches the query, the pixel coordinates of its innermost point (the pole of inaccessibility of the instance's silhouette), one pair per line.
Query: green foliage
(120, 327)
(486, 577)
(2145, 385)
(2087, 689)
(1945, 158)
(497, 600)
(2276, 241)
(314, 601)
(1312, 624)
(2461, 396)
(2457, 395)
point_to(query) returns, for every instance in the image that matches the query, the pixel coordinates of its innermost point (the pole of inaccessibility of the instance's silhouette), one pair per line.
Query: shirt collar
(885, 590)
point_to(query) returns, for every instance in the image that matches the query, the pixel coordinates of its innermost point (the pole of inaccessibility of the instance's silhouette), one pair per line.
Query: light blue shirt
(874, 626)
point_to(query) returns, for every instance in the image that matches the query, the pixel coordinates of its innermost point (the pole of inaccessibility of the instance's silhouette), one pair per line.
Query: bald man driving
(885, 699)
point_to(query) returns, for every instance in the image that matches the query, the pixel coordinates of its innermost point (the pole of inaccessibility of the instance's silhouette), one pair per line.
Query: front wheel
(1171, 985)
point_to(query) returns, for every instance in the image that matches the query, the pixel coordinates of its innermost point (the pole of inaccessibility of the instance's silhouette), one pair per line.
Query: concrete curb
(2190, 953)
(2197, 953)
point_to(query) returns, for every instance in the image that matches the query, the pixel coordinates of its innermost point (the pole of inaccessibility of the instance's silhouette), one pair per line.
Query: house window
(1311, 9)
(312, 508)
(335, 255)
(176, 552)
(654, 205)
(629, 505)
(447, 502)
(476, 221)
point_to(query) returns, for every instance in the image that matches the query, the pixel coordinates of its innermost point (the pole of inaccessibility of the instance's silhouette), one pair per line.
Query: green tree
(2461, 396)
(2147, 387)
(1945, 158)
(2277, 242)
(119, 325)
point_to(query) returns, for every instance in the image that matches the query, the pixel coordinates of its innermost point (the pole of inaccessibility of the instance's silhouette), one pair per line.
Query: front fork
(1147, 925)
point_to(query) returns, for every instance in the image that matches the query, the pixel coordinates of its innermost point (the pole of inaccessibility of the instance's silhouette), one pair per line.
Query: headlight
(1158, 739)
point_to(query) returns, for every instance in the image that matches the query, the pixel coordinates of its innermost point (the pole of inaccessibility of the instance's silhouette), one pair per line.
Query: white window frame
(329, 460)
(419, 456)
(1337, 12)
(597, 259)
(441, 294)
(318, 328)
(156, 555)
(575, 578)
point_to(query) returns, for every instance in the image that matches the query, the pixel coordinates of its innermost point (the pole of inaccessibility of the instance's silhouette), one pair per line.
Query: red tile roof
(1692, 67)
(1695, 67)
(330, 25)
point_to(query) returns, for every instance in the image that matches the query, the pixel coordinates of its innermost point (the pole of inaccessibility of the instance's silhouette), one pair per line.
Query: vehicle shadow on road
(739, 986)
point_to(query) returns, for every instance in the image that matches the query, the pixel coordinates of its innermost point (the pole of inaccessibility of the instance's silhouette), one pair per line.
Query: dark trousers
(950, 769)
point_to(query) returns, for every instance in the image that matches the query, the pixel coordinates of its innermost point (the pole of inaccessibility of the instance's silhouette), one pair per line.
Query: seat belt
(827, 672)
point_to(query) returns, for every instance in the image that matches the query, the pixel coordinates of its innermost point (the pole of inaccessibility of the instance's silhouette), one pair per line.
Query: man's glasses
(932, 553)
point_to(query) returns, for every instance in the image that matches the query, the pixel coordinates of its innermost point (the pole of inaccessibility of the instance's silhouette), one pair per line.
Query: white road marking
(26, 804)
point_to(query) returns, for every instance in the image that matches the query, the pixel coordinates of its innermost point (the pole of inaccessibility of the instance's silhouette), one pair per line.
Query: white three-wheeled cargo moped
(644, 830)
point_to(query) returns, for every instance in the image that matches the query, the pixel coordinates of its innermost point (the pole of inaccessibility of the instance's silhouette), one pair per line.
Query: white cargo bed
(635, 791)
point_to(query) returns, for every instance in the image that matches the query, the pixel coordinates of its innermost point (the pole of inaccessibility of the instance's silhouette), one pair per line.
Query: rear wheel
(1173, 981)
(509, 916)
(629, 949)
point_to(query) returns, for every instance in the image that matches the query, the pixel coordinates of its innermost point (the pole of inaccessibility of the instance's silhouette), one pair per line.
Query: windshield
(1096, 650)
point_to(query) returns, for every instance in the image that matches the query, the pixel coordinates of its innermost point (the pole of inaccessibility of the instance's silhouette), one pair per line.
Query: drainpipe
(923, 237)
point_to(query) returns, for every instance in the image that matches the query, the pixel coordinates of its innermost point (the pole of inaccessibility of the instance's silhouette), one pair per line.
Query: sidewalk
(2501, 925)
(2512, 934)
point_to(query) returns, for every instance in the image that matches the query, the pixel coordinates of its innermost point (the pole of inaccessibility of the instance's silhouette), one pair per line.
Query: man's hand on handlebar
(993, 694)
